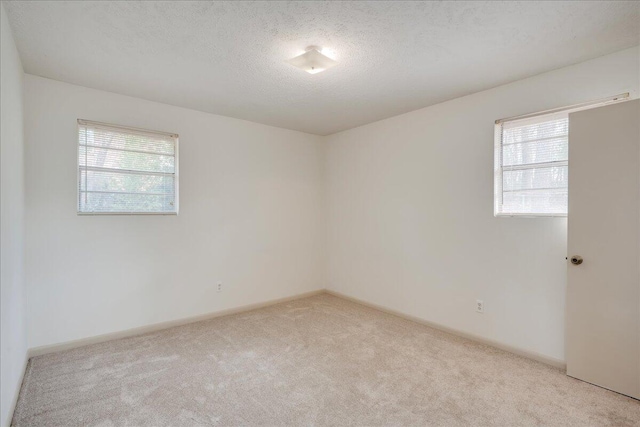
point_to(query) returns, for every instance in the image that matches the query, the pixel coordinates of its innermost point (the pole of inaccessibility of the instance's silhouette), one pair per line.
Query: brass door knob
(576, 260)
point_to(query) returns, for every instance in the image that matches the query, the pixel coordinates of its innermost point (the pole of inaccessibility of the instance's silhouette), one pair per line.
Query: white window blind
(126, 171)
(532, 161)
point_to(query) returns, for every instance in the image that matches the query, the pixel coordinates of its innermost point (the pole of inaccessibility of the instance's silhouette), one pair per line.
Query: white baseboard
(558, 363)
(12, 409)
(53, 348)
(38, 351)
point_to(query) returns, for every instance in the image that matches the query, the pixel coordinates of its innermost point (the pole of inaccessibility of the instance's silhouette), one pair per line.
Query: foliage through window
(126, 171)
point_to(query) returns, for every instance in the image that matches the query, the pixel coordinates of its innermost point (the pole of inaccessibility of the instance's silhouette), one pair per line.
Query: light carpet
(321, 360)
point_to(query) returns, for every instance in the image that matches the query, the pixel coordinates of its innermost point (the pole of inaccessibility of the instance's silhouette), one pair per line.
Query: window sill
(125, 213)
(502, 215)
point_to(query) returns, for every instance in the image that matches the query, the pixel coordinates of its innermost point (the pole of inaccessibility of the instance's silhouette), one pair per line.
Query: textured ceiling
(229, 57)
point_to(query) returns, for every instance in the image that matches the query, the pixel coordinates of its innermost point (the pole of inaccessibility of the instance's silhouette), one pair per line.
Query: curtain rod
(570, 107)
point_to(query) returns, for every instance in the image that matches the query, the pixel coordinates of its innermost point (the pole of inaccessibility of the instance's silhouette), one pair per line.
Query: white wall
(410, 222)
(13, 336)
(251, 216)
(400, 211)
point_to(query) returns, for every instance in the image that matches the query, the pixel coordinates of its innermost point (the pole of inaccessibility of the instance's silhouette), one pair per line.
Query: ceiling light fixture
(312, 61)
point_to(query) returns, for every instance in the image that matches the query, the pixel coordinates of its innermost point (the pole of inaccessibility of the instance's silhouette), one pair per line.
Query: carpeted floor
(316, 361)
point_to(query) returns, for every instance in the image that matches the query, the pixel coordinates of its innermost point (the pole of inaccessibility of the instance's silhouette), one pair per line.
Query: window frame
(499, 168)
(174, 136)
(497, 149)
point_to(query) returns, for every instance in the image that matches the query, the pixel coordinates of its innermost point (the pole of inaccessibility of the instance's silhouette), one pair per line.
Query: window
(126, 171)
(532, 161)
(532, 156)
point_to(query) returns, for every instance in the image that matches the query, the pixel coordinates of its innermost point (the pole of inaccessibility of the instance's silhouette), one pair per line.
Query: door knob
(576, 260)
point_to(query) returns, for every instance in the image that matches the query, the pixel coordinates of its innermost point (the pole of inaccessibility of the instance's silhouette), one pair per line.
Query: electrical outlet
(219, 286)
(479, 306)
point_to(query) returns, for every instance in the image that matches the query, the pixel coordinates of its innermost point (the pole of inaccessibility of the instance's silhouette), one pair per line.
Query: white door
(603, 293)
